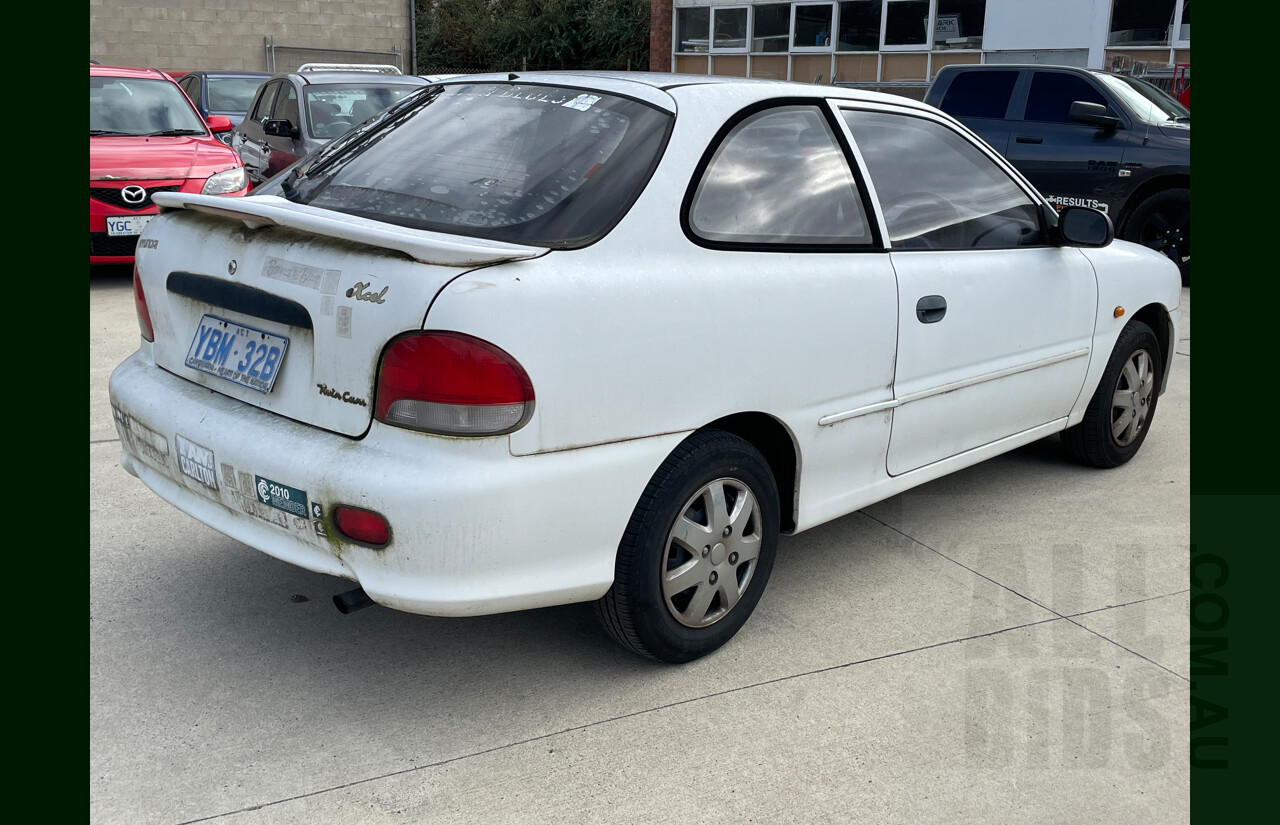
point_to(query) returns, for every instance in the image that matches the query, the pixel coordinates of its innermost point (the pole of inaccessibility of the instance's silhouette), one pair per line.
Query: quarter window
(779, 177)
(937, 189)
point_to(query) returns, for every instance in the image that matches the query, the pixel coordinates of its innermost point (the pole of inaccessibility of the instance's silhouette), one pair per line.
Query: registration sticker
(281, 496)
(196, 462)
(118, 225)
(242, 355)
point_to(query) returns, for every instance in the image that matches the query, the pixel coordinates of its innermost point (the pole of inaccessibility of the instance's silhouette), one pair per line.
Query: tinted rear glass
(519, 163)
(979, 94)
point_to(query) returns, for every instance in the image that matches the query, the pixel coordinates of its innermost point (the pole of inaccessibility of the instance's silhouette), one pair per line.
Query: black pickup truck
(1086, 138)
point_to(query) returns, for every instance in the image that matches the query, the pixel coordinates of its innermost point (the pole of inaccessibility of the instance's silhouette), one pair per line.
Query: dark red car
(146, 137)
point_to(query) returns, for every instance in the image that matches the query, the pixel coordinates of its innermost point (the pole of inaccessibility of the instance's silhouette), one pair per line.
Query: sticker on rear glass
(196, 462)
(582, 102)
(281, 496)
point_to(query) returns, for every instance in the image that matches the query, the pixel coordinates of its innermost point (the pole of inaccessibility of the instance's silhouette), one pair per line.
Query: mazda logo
(133, 194)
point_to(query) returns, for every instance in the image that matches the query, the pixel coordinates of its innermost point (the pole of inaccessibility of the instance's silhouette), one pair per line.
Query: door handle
(1028, 139)
(931, 308)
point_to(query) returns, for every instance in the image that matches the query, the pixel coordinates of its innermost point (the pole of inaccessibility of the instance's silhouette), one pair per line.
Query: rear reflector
(140, 305)
(363, 526)
(452, 384)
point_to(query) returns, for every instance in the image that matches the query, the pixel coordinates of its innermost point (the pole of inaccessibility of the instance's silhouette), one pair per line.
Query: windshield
(510, 162)
(130, 106)
(232, 95)
(1148, 102)
(333, 109)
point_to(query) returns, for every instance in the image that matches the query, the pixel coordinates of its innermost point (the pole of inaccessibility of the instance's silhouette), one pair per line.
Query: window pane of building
(772, 27)
(859, 26)
(730, 28)
(907, 23)
(813, 26)
(1140, 22)
(692, 27)
(959, 24)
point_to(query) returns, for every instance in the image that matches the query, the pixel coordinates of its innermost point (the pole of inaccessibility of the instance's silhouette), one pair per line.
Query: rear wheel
(1119, 415)
(698, 551)
(1163, 222)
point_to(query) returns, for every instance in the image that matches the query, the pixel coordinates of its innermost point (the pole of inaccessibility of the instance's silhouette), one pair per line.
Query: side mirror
(280, 128)
(1082, 226)
(1094, 114)
(219, 123)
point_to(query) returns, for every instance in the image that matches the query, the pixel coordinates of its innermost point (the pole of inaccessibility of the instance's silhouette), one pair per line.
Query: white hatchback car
(531, 340)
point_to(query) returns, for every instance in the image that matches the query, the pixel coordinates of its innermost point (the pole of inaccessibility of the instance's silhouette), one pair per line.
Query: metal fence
(289, 58)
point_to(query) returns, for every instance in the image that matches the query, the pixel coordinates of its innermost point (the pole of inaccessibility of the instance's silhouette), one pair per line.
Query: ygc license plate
(239, 354)
(123, 225)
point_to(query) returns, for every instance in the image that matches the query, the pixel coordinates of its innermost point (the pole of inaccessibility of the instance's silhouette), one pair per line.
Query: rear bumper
(474, 530)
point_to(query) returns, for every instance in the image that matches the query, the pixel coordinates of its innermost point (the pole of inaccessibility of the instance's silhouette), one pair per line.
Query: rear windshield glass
(334, 108)
(520, 163)
(232, 94)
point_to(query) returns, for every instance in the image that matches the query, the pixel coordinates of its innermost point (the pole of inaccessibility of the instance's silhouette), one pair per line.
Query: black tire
(657, 619)
(1120, 413)
(1163, 222)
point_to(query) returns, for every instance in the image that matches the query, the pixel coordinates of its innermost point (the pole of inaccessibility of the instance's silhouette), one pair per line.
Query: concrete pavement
(1008, 644)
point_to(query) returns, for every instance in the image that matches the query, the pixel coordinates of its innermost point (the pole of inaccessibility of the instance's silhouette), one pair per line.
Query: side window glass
(779, 177)
(262, 111)
(979, 94)
(938, 190)
(1052, 94)
(286, 107)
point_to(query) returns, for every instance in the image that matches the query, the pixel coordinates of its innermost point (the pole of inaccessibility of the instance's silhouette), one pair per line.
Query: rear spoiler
(429, 247)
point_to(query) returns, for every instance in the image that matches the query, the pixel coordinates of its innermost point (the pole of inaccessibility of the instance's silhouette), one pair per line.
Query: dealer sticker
(281, 496)
(196, 462)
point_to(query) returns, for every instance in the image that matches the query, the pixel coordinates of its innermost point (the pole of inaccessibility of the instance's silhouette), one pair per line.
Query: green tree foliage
(516, 35)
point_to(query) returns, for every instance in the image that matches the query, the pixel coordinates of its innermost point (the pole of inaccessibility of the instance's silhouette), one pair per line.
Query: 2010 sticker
(281, 496)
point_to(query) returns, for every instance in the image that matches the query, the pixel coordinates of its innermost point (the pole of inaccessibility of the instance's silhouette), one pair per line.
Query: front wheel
(1120, 413)
(698, 551)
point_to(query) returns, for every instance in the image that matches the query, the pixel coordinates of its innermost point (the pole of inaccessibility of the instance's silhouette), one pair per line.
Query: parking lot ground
(1007, 644)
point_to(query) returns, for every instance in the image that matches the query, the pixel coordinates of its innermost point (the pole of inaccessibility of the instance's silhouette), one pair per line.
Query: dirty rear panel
(336, 302)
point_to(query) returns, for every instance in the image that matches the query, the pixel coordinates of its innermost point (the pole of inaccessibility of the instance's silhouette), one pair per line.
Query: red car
(146, 137)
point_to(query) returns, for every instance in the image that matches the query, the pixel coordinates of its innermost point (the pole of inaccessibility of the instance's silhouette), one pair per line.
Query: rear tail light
(452, 384)
(140, 304)
(363, 526)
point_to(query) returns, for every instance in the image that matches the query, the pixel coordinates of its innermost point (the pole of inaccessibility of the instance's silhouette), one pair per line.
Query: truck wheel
(1163, 222)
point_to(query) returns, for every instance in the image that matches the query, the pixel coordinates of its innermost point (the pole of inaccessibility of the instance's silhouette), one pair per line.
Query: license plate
(127, 224)
(242, 355)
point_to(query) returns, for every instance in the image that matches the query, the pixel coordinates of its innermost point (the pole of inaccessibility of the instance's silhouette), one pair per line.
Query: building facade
(249, 35)
(899, 45)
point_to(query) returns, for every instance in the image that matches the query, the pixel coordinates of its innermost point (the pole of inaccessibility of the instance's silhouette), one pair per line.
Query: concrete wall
(183, 35)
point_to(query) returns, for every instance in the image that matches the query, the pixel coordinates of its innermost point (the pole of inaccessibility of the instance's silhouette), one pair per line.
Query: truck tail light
(452, 384)
(140, 304)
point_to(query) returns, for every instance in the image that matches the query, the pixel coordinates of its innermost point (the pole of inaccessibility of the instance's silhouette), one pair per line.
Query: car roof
(654, 86)
(363, 78)
(127, 71)
(226, 73)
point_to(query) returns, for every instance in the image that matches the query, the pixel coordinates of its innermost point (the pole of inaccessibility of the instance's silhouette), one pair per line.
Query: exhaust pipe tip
(352, 601)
